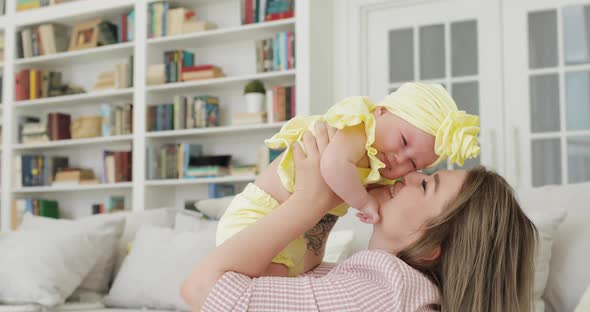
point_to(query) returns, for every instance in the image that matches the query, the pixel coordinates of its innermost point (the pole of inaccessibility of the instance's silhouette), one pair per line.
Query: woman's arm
(250, 251)
(339, 169)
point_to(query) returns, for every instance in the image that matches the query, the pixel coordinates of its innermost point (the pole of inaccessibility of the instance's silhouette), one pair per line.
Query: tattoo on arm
(317, 235)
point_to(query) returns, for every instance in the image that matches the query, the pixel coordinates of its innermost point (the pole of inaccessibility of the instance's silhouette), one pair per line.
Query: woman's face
(405, 208)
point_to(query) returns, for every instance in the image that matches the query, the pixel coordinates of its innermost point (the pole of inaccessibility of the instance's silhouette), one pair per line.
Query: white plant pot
(255, 102)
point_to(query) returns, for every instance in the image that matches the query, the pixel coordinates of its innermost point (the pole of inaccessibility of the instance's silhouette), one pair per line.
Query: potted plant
(255, 93)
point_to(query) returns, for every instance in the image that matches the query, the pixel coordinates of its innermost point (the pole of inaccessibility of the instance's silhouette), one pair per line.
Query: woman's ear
(432, 255)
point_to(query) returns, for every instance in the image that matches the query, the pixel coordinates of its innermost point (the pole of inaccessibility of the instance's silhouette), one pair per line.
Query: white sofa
(568, 272)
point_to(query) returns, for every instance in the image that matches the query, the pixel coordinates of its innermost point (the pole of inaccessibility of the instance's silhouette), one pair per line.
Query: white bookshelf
(213, 130)
(230, 46)
(172, 182)
(74, 142)
(225, 82)
(76, 57)
(218, 36)
(72, 188)
(76, 99)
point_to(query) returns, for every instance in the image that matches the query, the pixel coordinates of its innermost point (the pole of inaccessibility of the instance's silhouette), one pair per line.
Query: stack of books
(256, 11)
(281, 103)
(218, 190)
(240, 119)
(175, 62)
(244, 170)
(125, 26)
(34, 132)
(117, 119)
(118, 78)
(24, 5)
(32, 84)
(35, 206)
(171, 161)
(37, 170)
(1, 48)
(74, 177)
(117, 166)
(200, 72)
(114, 204)
(166, 20)
(42, 40)
(277, 53)
(187, 112)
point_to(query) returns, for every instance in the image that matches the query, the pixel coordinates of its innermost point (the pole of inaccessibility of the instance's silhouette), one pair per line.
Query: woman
(453, 241)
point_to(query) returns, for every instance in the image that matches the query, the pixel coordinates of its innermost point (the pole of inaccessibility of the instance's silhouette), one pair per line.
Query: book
(206, 171)
(202, 74)
(244, 170)
(48, 208)
(176, 19)
(156, 74)
(196, 26)
(249, 118)
(59, 126)
(217, 190)
(72, 175)
(53, 38)
(115, 203)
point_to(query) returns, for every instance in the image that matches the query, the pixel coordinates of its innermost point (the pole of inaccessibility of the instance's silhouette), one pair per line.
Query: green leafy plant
(254, 86)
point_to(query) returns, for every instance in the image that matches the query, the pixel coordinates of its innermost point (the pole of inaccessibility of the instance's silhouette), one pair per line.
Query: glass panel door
(553, 78)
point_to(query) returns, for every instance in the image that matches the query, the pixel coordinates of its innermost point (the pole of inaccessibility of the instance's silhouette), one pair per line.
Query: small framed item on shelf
(85, 35)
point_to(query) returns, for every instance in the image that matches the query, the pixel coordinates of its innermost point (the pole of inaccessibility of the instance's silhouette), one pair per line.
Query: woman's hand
(309, 182)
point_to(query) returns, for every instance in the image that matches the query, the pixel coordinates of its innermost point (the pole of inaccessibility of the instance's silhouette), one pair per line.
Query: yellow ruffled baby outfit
(428, 107)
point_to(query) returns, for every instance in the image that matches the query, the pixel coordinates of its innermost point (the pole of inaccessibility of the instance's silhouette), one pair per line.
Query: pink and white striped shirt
(367, 281)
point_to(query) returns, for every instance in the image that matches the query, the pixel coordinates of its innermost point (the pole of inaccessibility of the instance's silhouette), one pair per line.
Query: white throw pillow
(108, 229)
(569, 275)
(161, 217)
(153, 272)
(584, 304)
(339, 246)
(189, 221)
(214, 207)
(547, 215)
(37, 267)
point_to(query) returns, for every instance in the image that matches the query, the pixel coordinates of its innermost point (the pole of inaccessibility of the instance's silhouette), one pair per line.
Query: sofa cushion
(154, 270)
(161, 217)
(108, 227)
(39, 268)
(214, 207)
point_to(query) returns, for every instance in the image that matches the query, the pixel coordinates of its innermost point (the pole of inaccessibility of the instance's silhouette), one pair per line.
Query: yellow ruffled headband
(430, 108)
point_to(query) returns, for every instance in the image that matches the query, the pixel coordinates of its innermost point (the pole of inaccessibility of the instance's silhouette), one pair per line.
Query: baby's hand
(370, 212)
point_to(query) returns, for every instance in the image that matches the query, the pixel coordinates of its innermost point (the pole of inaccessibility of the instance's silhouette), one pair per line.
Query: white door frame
(350, 45)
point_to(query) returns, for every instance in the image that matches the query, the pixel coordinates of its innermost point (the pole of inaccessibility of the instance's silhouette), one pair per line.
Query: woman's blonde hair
(487, 248)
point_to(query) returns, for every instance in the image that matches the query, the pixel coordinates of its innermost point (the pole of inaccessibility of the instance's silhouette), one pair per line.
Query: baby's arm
(338, 167)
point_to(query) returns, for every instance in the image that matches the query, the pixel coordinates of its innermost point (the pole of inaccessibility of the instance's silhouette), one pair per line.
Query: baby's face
(402, 147)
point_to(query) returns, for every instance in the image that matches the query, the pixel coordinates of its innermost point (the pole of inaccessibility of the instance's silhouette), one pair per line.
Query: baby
(415, 127)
